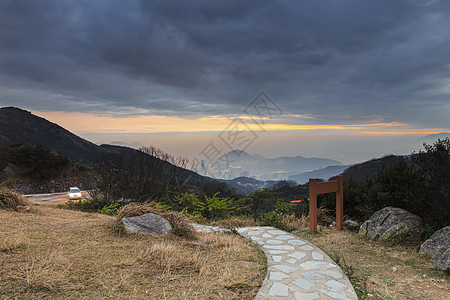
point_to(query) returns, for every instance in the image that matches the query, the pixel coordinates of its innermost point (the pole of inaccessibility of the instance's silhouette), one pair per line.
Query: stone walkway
(296, 268)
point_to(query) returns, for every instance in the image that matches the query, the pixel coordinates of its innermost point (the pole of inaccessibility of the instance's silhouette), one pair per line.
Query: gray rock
(438, 248)
(390, 223)
(147, 223)
(351, 225)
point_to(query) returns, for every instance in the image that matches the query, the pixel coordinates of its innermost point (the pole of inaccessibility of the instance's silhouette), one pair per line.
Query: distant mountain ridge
(357, 171)
(238, 163)
(431, 138)
(324, 173)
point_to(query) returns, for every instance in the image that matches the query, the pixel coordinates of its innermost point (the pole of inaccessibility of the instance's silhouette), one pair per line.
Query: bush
(215, 207)
(211, 208)
(189, 202)
(262, 201)
(273, 218)
(38, 162)
(434, 162)
(97, 203)
(12, 200)
(94, 205)
(110, 209)
(400, 185)
(420, 185)
(288, 222)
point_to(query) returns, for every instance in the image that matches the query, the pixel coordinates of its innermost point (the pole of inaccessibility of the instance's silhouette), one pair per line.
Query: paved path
(53, 198)
(296, 268)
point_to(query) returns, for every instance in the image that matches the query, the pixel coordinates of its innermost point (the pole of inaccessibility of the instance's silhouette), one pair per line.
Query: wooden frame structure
(317, 188)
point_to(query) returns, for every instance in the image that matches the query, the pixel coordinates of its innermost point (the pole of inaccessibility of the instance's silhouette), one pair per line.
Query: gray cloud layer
(356, 60)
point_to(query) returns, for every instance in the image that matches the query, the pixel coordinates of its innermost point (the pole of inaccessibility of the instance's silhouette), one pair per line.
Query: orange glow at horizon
(107, 124)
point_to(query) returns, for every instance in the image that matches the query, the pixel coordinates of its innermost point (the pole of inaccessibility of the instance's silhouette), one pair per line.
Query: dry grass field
(48, 252)
(56, 253)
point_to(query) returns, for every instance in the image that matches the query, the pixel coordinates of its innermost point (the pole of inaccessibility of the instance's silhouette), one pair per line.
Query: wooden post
(333, 186)
(340, 203)
(312, 204)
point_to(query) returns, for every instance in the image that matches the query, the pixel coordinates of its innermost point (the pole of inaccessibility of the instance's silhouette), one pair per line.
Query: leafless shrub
(324, 216)
(147, 173)
(291, 222)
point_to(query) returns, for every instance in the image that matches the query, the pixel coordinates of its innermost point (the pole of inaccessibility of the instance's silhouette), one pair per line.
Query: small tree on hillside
(283, 184)
(434, 161)
(262, 200)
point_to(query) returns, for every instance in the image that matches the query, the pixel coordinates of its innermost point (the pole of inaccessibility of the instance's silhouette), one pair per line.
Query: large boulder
(390, 223)
(438, 248)
(147, 223)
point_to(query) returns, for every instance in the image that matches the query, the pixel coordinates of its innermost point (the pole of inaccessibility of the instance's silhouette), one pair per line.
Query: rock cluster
(351, 225)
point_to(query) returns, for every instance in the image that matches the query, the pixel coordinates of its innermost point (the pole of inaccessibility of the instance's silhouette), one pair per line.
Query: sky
(348, 80)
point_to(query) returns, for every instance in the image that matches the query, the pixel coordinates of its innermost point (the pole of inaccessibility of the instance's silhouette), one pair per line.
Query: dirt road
(55, 198)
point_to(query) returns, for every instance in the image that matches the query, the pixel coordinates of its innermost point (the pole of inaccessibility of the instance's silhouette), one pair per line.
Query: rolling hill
(324, 173)
(371, 167)
(18, 126)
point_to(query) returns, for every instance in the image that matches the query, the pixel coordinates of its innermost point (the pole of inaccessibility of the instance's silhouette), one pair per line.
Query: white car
(74, 193)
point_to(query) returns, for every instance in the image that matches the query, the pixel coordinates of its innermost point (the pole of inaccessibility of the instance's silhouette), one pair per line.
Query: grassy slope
(386, 271)
(57, 253)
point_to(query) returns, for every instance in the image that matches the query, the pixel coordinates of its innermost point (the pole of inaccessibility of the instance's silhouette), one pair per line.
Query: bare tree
(139, 175)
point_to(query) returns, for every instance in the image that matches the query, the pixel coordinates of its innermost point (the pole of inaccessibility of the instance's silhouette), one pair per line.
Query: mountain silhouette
(18, 126)
(244, 164)
(324, 173)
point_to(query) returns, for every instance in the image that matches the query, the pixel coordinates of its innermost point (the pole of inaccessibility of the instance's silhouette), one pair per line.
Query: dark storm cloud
(349, 57)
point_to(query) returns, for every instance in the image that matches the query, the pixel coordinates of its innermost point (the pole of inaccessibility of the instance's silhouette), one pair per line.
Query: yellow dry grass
(66, 254)
(136, 209)
(389, 271)
(235, 222)
(12, 200)
(291, 222)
